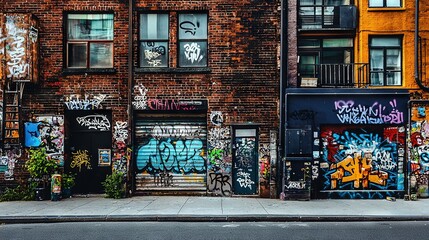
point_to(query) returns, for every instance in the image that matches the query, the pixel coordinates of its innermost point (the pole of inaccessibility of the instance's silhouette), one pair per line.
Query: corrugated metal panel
(171, 153)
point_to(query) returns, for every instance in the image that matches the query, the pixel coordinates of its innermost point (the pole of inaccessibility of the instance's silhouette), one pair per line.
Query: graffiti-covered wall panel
(18, 46)
(419, 149)
(171, 154)
(362, 162)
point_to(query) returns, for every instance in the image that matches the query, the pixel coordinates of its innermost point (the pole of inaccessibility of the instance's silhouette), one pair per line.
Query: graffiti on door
(80, 159)
(366, 159)
(174, 148)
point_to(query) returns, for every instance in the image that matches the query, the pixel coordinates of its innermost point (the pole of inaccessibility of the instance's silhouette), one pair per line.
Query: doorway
(88, 149)
(245, 160)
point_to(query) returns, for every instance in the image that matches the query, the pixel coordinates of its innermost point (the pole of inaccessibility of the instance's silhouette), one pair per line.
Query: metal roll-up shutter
(170, 153)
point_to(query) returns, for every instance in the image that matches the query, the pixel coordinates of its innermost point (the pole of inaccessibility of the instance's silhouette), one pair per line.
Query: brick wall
(243, 40)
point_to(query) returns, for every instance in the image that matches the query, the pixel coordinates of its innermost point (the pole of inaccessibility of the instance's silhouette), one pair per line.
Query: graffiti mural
(121, 153)
(358, 162)
(219, 157)
(51, 130)
(419, 150)
(171, 155)
(47, 131)
(7, 162)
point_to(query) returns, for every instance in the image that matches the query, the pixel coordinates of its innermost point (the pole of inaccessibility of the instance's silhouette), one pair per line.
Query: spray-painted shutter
(170, 153)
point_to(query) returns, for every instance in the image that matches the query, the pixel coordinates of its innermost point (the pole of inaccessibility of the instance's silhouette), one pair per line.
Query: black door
(245, 161)
(86, 142)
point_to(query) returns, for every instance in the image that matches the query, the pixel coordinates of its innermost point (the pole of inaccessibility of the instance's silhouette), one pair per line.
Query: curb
(194, 218)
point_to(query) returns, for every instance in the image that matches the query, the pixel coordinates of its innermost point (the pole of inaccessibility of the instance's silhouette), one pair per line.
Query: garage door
(170, 153)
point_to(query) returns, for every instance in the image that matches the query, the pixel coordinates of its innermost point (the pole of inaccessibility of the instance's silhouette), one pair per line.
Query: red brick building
(181, 96)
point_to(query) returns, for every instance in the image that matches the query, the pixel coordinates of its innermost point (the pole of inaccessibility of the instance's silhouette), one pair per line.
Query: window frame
(193, 40)
(88, 42)
(385, 71)
(385, 4)
(140, 41)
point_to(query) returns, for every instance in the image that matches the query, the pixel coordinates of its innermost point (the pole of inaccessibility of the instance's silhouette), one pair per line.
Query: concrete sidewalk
(181, 208)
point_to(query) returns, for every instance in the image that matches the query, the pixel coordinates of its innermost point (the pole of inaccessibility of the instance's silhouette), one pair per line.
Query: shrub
(114, 185)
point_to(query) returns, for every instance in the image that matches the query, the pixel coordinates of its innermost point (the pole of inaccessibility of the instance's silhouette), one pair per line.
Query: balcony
(317, 17)
(345, 75)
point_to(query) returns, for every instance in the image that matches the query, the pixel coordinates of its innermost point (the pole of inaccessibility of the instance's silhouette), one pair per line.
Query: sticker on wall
(104, 157)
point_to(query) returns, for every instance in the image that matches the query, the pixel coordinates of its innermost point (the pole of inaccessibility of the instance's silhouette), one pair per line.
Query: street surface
(217, 230)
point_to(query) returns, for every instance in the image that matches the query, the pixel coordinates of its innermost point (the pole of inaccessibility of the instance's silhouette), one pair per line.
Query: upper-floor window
(385, 3)
(315, 14)
(154, 35)
(385, 61)
(89, 40)
(155, 40)
(192, 40)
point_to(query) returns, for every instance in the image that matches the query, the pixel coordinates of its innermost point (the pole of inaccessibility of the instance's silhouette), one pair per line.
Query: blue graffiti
(177, 156)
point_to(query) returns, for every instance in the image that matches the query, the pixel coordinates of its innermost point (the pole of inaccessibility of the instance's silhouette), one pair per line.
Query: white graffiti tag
(17, 65)
(244, 180)
(74, 102)
(98, 122)
(121, 132)
(140, 99)
(193, 52)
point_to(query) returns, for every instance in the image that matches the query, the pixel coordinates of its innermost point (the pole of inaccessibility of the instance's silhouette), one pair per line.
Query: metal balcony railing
(352, 75)
(323, 16)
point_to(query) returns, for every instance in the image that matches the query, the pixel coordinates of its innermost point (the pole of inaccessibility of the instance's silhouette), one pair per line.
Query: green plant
(39, 164)
(19, 193)
(68, 181)
(114, 185)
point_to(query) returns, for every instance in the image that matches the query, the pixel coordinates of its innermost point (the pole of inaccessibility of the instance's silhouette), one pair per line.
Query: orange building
(356, 87)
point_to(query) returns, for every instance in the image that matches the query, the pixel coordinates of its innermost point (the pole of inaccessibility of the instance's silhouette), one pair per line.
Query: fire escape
(18, 55)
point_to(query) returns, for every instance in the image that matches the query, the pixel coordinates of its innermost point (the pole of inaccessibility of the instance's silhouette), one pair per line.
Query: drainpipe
(416, 50)
(283, 80)
(130, 87)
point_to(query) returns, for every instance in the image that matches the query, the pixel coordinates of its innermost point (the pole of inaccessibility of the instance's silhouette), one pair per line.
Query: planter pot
(67, 193)
(41, 194)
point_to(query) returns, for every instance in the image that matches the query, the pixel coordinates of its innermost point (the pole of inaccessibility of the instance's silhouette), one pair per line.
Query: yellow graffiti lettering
(357, 170)
(79, 159)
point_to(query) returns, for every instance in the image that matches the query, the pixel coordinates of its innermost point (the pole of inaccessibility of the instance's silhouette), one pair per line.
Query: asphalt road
(215, 230)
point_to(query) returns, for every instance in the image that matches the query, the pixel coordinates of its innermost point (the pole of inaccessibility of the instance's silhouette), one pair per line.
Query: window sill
(385, 9)
(174, 70)
(81, 71)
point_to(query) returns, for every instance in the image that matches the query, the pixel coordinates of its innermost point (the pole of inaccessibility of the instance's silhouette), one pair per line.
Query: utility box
(298, 142)
(297, 179)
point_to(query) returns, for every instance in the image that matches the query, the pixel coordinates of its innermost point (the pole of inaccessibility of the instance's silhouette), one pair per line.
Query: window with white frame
(385, 61)
(155, 41)
(385, 3)
(89, 40)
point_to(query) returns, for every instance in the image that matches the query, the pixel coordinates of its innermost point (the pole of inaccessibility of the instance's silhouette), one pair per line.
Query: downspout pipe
(130, 86)
(283, 80)
(416, 50)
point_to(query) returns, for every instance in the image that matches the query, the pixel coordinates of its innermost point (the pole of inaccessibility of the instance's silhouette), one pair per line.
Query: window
(191, 44)
(385, 3)
(313, 52)
(385, 61)
(89, 41)
(315, 14)
(154, 34)
(193, 40)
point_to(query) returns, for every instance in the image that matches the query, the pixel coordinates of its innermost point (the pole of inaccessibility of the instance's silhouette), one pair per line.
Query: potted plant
(41, 167)
(68, 182)
(114, 185)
